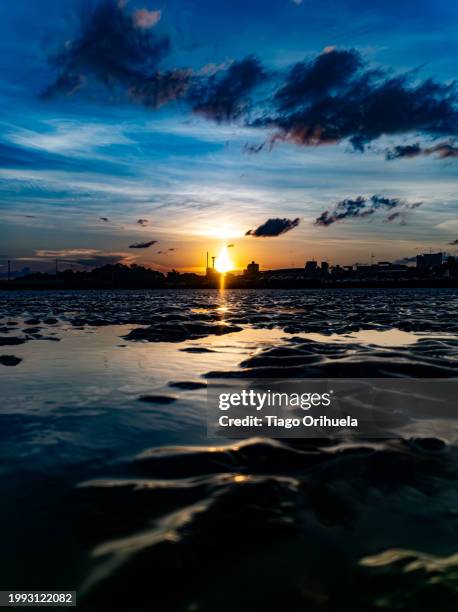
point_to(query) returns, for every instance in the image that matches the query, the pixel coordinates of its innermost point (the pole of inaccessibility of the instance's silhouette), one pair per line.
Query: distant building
(364, 268)
(429, 260)
(252, 269)
(211, 273)
(285, 273)
(324, 268)
(311, 266)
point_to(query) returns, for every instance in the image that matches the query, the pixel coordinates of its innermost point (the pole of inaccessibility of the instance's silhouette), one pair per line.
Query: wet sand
(112, 487)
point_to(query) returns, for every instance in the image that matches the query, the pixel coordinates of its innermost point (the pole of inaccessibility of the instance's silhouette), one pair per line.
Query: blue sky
(85, 154)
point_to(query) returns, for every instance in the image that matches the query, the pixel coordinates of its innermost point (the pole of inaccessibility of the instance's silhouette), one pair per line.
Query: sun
(223, 262)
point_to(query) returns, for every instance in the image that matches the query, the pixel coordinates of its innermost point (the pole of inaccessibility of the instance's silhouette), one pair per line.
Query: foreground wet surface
(112, 487)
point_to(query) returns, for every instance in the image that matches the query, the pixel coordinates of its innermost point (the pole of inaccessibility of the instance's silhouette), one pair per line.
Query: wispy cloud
(63, 137)
(82, 257)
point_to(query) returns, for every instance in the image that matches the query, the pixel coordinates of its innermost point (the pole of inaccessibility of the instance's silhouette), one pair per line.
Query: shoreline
(17, 285)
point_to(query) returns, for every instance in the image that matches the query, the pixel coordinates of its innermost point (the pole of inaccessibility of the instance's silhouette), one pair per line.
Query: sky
(151, 131)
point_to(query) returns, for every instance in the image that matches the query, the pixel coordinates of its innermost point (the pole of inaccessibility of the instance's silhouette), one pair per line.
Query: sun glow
(223, 262)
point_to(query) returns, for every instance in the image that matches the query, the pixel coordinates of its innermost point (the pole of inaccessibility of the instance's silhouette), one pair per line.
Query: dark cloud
(165, 252)
(364, 207)
(254, 148)
(333, 97)
(393, 216)
(336, 97)
(274, 227)
(114, 51)
(142, 245)
(323, 76)
(160, 88)
(442, 150)
(345, 208)
(143, 222)
(400, 151)
(224, 96)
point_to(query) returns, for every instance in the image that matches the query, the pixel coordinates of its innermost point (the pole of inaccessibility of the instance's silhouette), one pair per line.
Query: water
(131, 504)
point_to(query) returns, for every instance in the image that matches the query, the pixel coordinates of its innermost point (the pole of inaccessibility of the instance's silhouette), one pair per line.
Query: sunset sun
(223, 262)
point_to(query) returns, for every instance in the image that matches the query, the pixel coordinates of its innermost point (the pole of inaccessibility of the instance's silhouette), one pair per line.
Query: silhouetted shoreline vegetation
(119, 276)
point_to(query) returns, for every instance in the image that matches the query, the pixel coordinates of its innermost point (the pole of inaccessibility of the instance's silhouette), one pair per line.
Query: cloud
(254, 148)
(442, 150)
(336, 96)
(274, 227)
(142, 245)
(451, 225)
(64, 252)
(400, 151)
(96, 260)
(212, 68)
(143, 222)
(395, 215)
(308, 81)
(112, 50)
(224, 97)
(329, 98)
(144, 19)
(161, 88)
(89, 258)
(63, 136)
(364, 207)
(165, 252)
